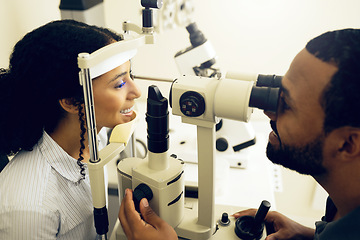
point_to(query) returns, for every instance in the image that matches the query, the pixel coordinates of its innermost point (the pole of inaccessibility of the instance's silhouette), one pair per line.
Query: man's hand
(151, 228)
(282, 227)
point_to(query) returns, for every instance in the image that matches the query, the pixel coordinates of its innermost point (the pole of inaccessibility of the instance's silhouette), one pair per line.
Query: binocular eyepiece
(265, 95)
(207, 98)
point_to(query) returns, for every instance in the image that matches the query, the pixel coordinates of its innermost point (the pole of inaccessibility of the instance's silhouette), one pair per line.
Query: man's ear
(68, 105)
(350, 146)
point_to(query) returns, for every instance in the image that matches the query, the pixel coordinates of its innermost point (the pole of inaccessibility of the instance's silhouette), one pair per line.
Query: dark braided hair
(341, 97)
(82, 138)
(42, 70)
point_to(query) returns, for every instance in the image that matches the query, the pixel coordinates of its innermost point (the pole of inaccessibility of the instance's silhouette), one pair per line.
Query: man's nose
(271, 115)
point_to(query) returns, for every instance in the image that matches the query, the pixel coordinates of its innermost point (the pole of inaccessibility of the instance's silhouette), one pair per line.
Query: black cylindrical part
(268, 81)
(78, 5)
(265, 98)
(261, 214)
(157, 118)
(152, 3)
(147, 18)
(101, 220)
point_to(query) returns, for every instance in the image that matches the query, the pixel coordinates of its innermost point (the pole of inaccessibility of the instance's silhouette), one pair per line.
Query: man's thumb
(148, 214)
(271, 237)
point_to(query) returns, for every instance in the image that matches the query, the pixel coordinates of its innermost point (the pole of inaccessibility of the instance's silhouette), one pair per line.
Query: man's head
(317, 115)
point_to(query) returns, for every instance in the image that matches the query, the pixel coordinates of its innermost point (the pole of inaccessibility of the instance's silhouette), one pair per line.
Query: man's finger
(149, 215)
(131, 220)
(123, 218)
(271, 237)
(133, 217)
(248, 212)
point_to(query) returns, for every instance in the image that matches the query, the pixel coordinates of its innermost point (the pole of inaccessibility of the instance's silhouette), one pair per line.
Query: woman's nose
(134, 91)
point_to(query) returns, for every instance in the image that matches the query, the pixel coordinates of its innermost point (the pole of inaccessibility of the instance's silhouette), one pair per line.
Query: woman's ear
(68, 105)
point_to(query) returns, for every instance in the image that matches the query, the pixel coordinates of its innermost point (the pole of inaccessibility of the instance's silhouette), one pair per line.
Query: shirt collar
(60, 160)
(344, 226)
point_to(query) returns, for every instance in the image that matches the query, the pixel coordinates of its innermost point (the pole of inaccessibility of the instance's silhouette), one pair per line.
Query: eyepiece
(273, 81)
(265, 98)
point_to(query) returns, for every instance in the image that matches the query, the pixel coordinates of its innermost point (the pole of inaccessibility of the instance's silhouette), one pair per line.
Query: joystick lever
(251, 228)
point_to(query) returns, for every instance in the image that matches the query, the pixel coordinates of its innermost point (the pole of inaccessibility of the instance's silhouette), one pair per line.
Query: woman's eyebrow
(117, 76)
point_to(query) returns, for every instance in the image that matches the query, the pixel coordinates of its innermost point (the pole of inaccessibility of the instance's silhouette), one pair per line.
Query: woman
(44, 189)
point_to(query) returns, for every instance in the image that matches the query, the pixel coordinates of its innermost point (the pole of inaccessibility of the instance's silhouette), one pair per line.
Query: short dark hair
(341, 97)
(42, 70)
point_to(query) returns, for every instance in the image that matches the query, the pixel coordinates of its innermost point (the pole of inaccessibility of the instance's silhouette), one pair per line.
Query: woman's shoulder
(24, 177)
(24, 163)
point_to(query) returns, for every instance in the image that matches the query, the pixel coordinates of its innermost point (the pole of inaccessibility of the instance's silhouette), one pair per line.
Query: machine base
(223, 232)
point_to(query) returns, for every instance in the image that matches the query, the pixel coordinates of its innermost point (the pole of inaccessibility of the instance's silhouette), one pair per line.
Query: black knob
(140, 192)
(192, 104)
(221, 144)
(224, 221)
(251, 228)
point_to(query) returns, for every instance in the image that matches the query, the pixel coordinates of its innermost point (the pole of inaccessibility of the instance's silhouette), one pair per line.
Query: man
(316, 131)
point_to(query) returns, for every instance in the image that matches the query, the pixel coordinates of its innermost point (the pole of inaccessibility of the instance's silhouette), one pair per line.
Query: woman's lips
(127, 112)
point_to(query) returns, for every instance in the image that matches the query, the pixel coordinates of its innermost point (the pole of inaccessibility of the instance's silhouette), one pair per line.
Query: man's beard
(305, 160)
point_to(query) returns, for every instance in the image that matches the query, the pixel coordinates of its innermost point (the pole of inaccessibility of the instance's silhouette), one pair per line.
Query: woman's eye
(121, 84)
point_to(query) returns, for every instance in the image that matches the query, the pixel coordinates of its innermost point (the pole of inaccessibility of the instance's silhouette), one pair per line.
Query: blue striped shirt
(42, 196)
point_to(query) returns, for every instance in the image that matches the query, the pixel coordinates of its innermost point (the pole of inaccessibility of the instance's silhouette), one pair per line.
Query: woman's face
(114, 95)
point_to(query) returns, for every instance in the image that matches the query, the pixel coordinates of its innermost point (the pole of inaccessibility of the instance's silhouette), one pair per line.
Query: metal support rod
(86, 82)
(90, 112)
(154, 79)
(132, 146)
(206, 173)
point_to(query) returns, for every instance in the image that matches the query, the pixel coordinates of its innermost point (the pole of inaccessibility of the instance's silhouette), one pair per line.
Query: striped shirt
(42, 196)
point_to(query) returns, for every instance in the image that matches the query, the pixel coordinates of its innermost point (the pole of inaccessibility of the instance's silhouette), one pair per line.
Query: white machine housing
(187, 60)
(224, 98)
(167, 185)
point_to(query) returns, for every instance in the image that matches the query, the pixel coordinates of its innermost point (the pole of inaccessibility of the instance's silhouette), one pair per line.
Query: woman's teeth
(125, 111)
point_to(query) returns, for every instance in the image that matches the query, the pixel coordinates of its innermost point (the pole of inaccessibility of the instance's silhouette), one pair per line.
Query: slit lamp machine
(232, 137)
(200, 101)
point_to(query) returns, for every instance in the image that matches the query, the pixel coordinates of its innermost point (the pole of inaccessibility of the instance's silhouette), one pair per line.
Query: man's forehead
(308, 75)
